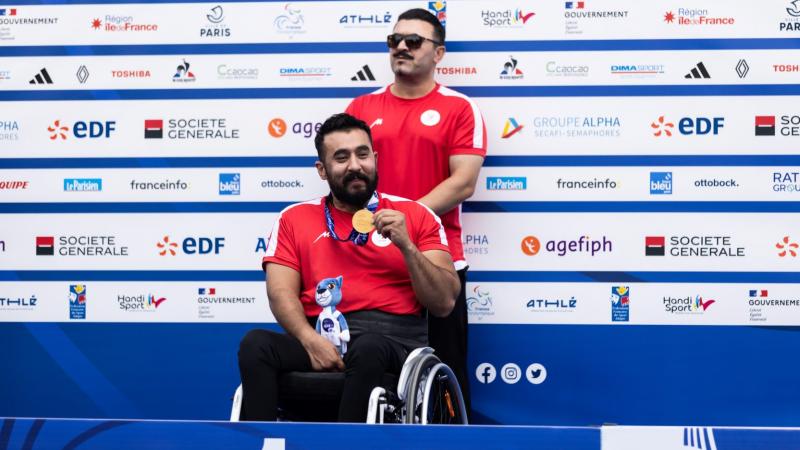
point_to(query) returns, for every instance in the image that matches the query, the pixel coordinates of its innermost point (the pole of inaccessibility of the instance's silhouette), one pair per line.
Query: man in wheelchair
(391, 258)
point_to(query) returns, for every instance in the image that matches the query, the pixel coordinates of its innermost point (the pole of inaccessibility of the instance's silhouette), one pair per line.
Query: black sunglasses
(413, 41)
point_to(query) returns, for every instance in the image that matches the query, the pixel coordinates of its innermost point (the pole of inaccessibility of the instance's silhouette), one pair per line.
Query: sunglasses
(413, 41)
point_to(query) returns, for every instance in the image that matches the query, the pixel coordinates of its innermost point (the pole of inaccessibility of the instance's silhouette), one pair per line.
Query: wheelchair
(426, 392)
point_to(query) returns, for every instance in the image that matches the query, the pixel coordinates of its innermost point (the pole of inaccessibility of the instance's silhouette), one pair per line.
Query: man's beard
(358, 199)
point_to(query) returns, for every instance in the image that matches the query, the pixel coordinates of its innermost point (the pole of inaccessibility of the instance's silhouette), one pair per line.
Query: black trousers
(448, 336)
(264, 354)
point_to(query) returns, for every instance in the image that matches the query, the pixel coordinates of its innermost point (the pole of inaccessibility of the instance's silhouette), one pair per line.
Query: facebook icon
(485, 373)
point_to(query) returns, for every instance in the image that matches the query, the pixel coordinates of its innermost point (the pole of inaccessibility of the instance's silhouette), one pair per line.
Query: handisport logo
(506, 183)
(531, 245)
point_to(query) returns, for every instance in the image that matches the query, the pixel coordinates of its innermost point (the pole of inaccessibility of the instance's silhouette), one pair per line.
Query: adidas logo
(41, 78)
(698, 72)
(363, 75)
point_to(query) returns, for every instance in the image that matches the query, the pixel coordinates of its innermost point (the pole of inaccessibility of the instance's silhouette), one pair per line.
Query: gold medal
(362, 221)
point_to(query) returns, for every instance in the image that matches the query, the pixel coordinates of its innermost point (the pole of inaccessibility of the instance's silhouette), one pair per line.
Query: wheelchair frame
(422, 376)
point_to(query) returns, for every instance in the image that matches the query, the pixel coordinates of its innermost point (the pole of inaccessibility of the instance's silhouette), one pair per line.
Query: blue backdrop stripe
(474, 276)
(380, 47)
(351, 92)
(469, 207)
(491, 161)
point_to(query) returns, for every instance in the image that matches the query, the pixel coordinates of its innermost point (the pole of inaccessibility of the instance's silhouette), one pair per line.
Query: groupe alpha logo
(9, 130)
(511, 373)
(190, 246)
(511, 128)
(121, 24)
(93, 129)
(531, 246)
(789, 125)
(278, 127)
(687, 126)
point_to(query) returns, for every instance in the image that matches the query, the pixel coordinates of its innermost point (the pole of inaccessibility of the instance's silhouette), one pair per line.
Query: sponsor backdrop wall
(633, 241)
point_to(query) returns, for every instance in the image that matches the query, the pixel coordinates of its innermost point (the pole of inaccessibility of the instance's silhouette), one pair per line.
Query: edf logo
(82, 130)
(191, 246)
(688, 126)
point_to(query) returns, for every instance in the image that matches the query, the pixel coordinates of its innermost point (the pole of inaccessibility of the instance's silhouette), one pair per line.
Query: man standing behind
(430, 142)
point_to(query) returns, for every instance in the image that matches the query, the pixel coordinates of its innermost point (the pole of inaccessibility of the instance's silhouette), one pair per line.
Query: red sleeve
(469, 132)
(281, 248)
(428, 229)
(353, 109)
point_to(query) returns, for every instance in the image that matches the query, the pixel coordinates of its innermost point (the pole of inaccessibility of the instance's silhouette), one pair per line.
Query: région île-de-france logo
(620, 303)
(787, 247)
(290, 21)
(121, 24)
(511, 128)
(479, 303)
(510, 70)
(695, 17)
(183, 74)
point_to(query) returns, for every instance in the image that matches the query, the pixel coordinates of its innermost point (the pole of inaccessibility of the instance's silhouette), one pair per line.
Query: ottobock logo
(506, 183)
(83, 184)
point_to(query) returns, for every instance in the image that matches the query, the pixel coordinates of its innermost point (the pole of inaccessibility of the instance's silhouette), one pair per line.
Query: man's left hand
(391, 224)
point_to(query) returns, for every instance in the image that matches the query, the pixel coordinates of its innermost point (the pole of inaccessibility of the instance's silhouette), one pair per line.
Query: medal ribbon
(355, 236)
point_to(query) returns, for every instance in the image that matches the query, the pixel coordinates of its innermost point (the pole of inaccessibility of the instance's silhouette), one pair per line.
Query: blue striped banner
(468, 207)
(352, 92)
(473, 276)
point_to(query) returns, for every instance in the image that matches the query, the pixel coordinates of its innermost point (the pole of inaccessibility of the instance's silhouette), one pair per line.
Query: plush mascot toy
(331, 324)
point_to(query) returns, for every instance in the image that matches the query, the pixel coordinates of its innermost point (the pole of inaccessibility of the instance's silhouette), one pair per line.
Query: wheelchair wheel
(416, 386)
(442, 402)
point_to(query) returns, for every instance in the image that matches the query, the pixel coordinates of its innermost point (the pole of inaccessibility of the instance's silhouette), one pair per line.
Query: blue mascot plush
(331, 323)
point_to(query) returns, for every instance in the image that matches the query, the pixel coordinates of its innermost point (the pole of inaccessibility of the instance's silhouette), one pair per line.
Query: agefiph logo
(531, 246)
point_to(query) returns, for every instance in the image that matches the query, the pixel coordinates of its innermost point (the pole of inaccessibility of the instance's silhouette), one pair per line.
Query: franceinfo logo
(506, 183)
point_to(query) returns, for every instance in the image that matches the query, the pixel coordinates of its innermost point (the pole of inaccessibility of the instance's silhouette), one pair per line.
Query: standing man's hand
(391, 224)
